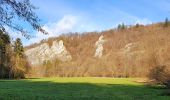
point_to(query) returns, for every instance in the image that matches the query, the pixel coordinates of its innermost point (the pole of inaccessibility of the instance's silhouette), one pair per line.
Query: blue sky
(63, 16)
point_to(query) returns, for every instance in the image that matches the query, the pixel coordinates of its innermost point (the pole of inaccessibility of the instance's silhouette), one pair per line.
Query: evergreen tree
(166, 23)
(18, 47)
(137, 25)
(121, 26)
(4, 55)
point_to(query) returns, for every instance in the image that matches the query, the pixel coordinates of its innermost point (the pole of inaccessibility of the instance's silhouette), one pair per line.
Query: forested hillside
(128, 51)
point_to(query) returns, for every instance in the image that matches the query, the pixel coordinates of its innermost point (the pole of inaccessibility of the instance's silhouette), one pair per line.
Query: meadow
(79, 89)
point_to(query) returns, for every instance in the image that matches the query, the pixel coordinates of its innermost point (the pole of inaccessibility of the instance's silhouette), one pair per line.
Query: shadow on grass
(48, 90)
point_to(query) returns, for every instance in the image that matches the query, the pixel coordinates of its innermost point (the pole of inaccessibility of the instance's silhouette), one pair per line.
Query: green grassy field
(79, 89)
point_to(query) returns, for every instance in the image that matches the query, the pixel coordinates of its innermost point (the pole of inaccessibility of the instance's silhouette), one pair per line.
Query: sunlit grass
(104, 80)
(78, 89)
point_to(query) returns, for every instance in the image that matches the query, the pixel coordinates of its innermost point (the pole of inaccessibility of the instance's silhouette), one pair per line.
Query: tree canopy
(21, 9)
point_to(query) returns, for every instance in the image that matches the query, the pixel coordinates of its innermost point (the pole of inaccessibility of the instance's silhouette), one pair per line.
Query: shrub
(160, 75)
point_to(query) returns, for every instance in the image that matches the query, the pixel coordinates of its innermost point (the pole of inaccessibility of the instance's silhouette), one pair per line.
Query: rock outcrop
(39, 54)
(99, 47)
(132, 49)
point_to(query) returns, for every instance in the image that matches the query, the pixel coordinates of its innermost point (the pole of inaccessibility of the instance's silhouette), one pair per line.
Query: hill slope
(130, 52)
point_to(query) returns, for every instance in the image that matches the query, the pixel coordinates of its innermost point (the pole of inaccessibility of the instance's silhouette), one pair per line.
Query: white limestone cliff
(99, 47)
(44, 52)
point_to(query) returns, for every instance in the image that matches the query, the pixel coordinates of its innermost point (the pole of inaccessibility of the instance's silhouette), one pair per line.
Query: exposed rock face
(132, 49)
(38, 55)
(129, 47)
(99, 47)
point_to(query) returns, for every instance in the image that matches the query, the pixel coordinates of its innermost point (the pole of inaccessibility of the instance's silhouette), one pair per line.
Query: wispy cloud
(66, 24)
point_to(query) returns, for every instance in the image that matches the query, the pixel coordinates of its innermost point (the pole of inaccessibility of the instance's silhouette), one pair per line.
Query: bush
(160, 75)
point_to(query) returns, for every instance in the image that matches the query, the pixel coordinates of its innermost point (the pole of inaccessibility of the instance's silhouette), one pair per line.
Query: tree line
(13, 63)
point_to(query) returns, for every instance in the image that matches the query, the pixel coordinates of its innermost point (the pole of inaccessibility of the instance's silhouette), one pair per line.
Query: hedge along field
(79, 89)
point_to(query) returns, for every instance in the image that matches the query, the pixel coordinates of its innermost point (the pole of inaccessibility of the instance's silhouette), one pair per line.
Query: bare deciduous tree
(10, 10)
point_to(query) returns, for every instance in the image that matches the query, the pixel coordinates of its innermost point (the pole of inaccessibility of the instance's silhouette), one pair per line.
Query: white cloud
(65, 25)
